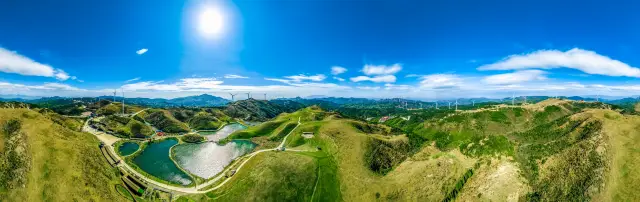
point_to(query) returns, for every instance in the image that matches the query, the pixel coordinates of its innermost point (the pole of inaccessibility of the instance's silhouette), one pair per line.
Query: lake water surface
(155, 160)
(223, 132)
(128, 148)
(208, 159)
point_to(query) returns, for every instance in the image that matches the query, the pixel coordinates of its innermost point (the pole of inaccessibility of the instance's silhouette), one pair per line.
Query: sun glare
(210, 22)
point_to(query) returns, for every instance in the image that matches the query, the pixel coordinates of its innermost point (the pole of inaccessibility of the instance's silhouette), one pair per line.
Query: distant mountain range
(206, 100)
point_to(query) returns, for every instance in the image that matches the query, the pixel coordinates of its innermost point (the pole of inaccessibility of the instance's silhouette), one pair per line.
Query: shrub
(11, 126)
(192, 138)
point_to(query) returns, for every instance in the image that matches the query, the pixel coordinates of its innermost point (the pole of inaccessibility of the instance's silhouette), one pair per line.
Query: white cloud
(186, 84)
(368, 87)
(12, 62)
(413, 75)
(587, 61)
(381, 69)
(234, 76)
(335, 70)
(377, 79)
(132, 80)
(389, 86)
(62, 76)
(515, 77)
(142, 51)
(440, 81)
(279, 80)
(302, 77)
(338, 78)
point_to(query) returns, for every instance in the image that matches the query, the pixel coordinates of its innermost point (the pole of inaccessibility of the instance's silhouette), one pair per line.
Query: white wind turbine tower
(248, 95)
(114, 95)
(456, 104)
(122, 101)
(233, 96)
(449, 104)
(265, 96)
(473, 103)
(513, 99)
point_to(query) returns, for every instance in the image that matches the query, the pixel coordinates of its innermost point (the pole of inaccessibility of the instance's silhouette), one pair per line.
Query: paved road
(189, 190)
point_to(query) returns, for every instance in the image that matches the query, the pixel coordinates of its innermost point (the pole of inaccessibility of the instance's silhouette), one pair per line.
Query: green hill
(163, 120)
(549, 151)
(45, 161)
(123, 126)
(257, 110)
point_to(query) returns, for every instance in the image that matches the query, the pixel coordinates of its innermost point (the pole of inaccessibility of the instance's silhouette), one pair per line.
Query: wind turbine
(248, 95)
(122, 101)
(473, 103)
(525, 100)
(449, 104)
(456, 104)
(265, 96)
(114, 95)
(513, 99)
(436, 104)
(232, 96)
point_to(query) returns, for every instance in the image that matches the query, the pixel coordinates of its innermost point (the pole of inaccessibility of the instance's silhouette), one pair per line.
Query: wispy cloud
(12, 62)
(338, 78)
(377, 79)
(142, 51)
(234, 76)
(368, 87)
(335, 70)
(132, 80)
(381, 69)
(587, 61)
(515, 77)
(436, 81)
(302, 77)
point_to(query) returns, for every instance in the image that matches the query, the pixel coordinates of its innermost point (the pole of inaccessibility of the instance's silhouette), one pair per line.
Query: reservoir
(128, 148)
(208, 159)
(155, 160)
(223, 132)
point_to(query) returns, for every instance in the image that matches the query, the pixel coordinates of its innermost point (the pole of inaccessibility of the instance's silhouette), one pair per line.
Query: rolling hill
(45, 161)
(552, 150)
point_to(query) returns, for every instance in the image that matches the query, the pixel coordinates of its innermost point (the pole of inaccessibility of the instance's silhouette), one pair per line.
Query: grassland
(163, 120)
(63, 165)
(124, 127)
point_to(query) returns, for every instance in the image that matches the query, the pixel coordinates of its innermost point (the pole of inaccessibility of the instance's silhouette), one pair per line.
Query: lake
(128, 148)
(223, 132)
(208, 159)
(155, 160)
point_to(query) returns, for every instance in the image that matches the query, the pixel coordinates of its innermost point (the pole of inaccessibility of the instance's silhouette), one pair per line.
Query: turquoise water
(128, 148)
(223, 132)
(155, 160)
(208, 159)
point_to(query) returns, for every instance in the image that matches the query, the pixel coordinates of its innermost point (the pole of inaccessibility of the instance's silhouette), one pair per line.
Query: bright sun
(210, 22)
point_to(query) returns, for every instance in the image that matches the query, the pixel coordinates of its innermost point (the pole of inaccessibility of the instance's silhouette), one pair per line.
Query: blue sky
(377, 49)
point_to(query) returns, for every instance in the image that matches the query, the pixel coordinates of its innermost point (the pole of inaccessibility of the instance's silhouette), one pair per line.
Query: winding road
(108, 140)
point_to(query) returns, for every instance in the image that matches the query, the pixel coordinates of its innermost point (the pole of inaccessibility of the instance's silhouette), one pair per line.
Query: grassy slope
(65, 165)
(163, 120)
(622, 132)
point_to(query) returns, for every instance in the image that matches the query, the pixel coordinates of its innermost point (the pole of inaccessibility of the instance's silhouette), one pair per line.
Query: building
(307, 135)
